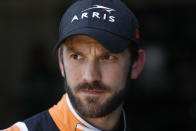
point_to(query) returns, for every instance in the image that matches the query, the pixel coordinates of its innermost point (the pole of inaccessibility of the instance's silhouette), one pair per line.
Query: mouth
(92, 92)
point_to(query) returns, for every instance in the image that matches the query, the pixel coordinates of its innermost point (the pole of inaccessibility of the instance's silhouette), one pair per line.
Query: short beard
(94, 109)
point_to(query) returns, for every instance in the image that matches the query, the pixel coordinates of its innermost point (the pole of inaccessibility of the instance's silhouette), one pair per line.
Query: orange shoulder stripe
(12, 128)
(63, 117)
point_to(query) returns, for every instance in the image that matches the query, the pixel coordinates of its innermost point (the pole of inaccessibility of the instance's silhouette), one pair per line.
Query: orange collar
(67, 119)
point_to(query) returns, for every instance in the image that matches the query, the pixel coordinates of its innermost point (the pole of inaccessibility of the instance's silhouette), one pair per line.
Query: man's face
(96, 78)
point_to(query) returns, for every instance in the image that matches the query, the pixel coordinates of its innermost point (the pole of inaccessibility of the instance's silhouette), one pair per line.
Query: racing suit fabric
(61, 117)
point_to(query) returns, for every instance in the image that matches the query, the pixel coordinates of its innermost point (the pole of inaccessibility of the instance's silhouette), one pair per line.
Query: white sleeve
(22, 126)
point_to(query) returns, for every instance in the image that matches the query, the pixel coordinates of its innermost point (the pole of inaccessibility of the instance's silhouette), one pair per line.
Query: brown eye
(76, 56)
(109, 57)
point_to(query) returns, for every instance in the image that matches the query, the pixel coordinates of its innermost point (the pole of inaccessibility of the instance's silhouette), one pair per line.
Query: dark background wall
(163, 98)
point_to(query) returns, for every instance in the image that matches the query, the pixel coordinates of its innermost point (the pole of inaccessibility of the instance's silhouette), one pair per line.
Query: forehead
(83, 42)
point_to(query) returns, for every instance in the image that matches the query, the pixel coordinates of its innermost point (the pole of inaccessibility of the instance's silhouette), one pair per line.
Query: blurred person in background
(98, 56)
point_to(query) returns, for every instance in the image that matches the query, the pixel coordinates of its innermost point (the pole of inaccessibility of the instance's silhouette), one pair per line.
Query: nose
(91, 72)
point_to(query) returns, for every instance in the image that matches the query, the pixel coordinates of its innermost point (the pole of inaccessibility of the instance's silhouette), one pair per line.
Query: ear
(138, 64)
(61, 64)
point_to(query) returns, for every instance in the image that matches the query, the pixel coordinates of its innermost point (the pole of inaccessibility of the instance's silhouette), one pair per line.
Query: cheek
(115, 75)
(73, 74)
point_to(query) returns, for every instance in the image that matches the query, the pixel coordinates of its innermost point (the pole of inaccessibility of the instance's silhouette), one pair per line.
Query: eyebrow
(70, 49)
(105, 52)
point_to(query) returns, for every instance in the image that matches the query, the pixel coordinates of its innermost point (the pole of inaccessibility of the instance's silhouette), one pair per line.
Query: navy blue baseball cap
(110, 22)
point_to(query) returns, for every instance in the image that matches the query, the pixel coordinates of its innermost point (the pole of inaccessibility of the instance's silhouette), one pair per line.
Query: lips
(93, 92)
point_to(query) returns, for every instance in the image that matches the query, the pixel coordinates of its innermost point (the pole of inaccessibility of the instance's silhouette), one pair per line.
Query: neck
(110, 120)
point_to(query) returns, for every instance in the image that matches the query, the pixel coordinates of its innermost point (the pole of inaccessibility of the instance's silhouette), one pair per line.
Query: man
(98, 56)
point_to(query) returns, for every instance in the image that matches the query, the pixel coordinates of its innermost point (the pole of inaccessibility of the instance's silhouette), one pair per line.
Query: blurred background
(162, 99)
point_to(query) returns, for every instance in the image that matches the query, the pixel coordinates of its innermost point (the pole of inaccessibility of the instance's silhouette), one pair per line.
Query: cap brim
(110, 41)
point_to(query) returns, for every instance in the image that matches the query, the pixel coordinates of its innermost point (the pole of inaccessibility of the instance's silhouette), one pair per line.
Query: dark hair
(134, 51)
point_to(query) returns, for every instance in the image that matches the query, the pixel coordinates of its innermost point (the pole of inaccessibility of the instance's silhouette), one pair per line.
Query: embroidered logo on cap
(104, 15)
(109, 10)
